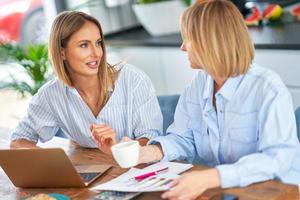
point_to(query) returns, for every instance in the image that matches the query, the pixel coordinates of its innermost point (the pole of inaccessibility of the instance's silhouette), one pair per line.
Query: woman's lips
(92, 64)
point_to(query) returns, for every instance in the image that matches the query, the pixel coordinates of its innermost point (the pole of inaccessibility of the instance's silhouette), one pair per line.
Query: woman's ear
(63, 54)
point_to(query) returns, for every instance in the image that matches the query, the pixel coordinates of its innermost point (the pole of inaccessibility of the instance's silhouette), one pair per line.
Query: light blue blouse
(250, 137)
(132, 111)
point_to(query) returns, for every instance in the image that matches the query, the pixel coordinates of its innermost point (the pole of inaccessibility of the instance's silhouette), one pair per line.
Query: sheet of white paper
(159, 183)
(174, 167)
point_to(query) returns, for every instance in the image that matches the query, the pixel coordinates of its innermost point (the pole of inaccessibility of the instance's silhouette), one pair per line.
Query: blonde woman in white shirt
(91, 101)
(235, 116)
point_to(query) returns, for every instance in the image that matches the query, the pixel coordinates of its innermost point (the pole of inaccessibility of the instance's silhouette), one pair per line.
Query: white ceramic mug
(126, 153)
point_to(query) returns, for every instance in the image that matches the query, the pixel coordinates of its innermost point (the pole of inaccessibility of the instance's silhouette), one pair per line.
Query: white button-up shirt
(132, 111)
(251, 135)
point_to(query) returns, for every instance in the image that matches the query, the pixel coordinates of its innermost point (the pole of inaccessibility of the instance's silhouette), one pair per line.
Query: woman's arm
(179, 142)
(39, 124)
(22, 143)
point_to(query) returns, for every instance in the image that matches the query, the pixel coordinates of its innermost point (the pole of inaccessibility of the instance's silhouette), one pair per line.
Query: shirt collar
(230, 87)
(208, 87)
(70, 89)
(74, 91)
(227, 90)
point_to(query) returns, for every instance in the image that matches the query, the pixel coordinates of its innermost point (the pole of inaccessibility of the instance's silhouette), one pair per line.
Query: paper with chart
(159, 182)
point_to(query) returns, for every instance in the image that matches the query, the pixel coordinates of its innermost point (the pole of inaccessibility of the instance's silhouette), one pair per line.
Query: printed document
(160, 182)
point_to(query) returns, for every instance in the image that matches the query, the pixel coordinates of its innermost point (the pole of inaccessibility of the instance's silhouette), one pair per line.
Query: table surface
(269, 190)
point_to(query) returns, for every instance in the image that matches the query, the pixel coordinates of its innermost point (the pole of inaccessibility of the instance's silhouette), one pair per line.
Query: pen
(143, 176)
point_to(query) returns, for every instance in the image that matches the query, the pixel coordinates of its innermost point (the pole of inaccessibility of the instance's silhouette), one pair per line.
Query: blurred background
(144, 33)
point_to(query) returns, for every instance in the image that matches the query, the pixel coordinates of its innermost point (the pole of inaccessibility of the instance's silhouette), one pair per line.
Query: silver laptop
(46, 168)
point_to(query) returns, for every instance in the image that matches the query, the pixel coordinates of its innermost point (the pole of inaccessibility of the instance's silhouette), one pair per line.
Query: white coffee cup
(126, 153)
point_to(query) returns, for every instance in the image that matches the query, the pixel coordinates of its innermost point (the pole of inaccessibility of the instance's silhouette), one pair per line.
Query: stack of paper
(159, 182)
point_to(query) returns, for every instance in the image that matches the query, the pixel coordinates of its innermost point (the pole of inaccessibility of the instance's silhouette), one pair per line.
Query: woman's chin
(194, 66)
(91, 71)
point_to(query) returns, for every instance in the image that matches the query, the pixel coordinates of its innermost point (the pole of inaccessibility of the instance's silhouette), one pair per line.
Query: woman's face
(84, 52)
(187, 47)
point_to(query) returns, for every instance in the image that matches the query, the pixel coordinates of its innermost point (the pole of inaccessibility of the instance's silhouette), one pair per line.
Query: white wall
(169, 68)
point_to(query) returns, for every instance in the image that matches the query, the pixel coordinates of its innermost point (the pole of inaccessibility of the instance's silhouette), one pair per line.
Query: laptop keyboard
(87, 177)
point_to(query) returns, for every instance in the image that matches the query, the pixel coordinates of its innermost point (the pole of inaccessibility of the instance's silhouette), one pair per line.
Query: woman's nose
(96, 51)
(182, 47)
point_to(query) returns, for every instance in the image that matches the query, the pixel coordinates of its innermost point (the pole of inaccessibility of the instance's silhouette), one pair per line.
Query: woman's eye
(99, 43)
(84, 45)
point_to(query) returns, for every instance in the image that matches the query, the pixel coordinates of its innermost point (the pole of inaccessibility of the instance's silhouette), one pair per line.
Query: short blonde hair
(219, 38)
(63, 27)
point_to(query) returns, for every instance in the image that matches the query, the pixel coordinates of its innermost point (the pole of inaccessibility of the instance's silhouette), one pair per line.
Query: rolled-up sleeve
(147, 116)
(39, 122)
(277, 145)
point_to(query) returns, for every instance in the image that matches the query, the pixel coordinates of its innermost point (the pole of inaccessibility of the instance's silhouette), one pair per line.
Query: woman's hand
(148, 153)
(191, 185)
(104, 136)
(23, 143)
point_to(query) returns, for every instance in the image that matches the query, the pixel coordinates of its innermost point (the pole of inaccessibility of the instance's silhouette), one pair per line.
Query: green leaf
(21, 87)
(34, 60)
(187, 2)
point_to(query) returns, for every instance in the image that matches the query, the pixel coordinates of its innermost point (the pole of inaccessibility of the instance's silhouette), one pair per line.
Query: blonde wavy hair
(219, 38)
(63, 27)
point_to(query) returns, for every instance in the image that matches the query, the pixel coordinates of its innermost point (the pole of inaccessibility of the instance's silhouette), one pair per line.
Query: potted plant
(33, 60)
(160, 17)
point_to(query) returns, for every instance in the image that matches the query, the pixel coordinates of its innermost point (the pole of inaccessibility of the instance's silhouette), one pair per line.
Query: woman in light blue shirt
(91, 101)
(235, 116)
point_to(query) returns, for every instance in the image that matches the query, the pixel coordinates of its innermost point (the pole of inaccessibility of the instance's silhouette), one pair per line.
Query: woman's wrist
(150, 154)
(215, 180)
(23, 143)
(157, 152)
